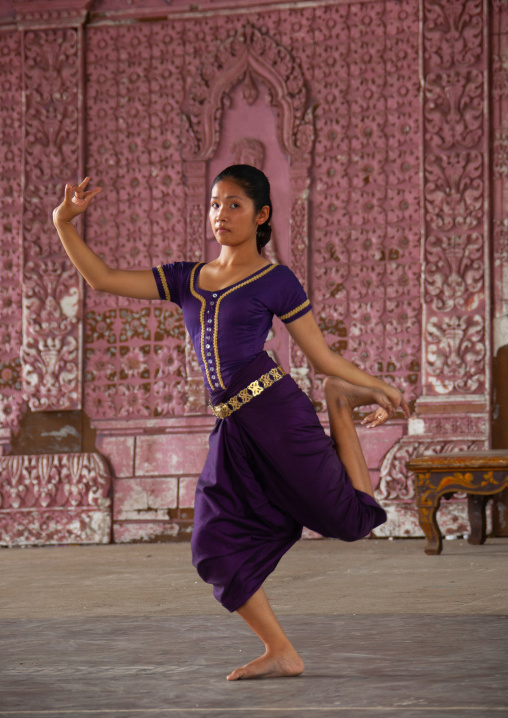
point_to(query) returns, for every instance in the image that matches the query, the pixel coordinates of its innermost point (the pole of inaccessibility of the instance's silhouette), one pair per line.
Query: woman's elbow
(102, 281)
(94, 283)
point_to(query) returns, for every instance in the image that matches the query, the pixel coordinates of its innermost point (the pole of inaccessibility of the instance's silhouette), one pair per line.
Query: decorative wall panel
(453, 411)
(135, 357)
(53, 133)
(499, 38)
(11, 399)
(366, 215)
(499, 84)
(54, 499)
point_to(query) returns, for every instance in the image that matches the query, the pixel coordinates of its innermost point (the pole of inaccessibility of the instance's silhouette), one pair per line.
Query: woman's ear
(263, 214)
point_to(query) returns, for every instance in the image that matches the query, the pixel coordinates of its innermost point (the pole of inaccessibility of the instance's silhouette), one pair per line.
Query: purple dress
(271, 469)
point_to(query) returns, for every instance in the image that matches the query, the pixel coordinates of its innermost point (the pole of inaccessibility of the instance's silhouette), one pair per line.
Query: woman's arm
(138, 284)
(309, 338)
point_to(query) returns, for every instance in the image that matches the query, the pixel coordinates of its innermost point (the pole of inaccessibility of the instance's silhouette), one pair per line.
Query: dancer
(271, 469)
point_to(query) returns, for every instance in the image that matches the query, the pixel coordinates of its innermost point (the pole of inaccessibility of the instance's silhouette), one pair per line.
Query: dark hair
(257, 188)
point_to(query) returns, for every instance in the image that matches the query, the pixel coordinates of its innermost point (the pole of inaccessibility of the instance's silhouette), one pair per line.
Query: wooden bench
(478, 473)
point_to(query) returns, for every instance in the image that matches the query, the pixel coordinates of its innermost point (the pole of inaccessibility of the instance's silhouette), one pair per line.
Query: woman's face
(233, 216)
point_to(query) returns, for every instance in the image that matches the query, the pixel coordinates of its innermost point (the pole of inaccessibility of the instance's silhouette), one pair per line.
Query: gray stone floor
(385, 630)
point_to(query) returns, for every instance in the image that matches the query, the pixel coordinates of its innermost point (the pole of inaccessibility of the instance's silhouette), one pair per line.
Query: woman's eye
(234, 205)
(214, 205)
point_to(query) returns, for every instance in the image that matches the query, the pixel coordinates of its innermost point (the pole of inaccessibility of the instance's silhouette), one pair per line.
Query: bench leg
(428, 522)
(476, 511)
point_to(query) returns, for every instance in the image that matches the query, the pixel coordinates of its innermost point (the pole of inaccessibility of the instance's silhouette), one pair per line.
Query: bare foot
(351, 395)
(270, 666)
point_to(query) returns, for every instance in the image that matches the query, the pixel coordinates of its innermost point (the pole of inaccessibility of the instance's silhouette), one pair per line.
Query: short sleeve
(171, 279)
(289, 301)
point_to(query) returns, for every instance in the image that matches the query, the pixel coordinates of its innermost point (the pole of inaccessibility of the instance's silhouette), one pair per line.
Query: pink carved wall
(11, 400)
(371, 119)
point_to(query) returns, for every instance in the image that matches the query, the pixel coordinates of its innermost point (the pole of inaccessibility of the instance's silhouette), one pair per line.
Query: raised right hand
(75, 202)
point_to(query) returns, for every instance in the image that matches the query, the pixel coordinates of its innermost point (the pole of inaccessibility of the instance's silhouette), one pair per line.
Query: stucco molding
(245, 57)
(36, 14)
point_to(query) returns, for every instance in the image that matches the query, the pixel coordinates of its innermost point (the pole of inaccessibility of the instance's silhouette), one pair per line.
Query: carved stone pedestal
(54, 499)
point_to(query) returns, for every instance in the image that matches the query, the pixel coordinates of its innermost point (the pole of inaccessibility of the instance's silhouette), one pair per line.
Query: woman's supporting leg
(341, 398)
(280, 658)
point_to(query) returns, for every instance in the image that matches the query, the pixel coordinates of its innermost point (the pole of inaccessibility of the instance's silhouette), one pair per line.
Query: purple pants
(270, 470)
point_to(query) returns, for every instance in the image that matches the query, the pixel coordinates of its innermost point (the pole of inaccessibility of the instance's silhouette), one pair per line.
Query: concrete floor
(130, 630)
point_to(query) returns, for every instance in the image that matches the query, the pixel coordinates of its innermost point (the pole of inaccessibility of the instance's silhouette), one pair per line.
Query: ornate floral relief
(500, 154)
(454, 108)
(51, 74)
(51, 353)
(366, 209)
(59, 498)
(11, 400)
(250, 90)
(454, 190)
(134, 350)
(499, 194)
(453, 32)
(299, 232)
(395, 483)
(500, 236)
(457, 425)
(455, 353)
(134, 362)
(247, 54)
(500, 77)
(454, 272)
(55, 527)
(57, 480)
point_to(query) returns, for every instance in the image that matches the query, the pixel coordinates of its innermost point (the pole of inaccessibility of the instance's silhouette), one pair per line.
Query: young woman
(271, 469)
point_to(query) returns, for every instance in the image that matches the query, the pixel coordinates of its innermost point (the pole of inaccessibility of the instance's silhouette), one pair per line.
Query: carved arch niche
(249, 58)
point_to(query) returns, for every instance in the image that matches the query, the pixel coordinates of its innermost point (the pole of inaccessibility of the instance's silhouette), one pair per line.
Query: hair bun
(263, 235)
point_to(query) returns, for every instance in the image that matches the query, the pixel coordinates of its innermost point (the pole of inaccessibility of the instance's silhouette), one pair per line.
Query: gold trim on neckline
(201, 319)
(216, 318)
(231, 287)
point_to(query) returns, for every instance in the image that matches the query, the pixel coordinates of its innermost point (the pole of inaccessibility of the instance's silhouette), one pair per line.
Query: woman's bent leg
(341, 398)
(280, 657)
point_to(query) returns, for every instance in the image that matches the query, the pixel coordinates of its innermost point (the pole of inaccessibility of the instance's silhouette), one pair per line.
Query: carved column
(53, 121)
(195, 194)
(299, 177)
(453, 412)
(499, 84)
(11, 401)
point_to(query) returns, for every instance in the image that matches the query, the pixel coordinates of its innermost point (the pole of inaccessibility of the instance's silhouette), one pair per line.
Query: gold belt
(255, 388)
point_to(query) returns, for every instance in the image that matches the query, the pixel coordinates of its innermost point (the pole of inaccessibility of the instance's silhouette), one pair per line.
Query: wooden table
(478, 473)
